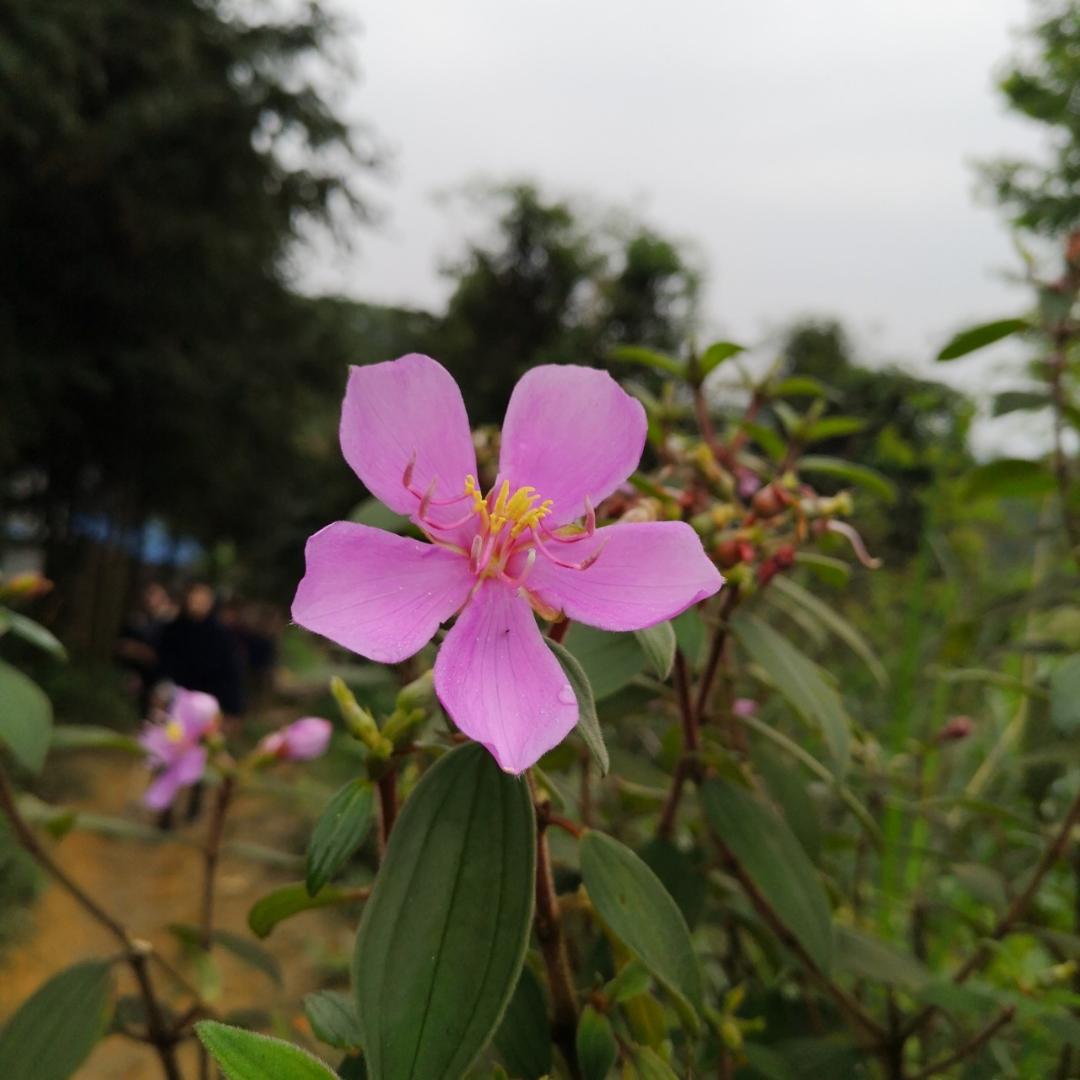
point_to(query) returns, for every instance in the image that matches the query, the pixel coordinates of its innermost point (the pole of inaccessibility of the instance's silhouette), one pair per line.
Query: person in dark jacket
(197, 652)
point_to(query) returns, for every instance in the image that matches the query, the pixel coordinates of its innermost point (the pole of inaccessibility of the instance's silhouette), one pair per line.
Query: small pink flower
(570, 438)
(301, 740)
(173, 745)
(744, 706)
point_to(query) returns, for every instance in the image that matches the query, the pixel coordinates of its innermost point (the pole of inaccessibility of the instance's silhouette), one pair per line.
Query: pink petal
(183, 772)
(400, 409)
(500, 683)
(197, 712)
(570, 432)
(380, 595)
(307, 738)
(646, 572)
(159, 747)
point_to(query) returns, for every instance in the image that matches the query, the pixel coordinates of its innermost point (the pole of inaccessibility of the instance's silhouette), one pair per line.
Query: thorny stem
(974, 1044)
(135, 952)
(553, 944)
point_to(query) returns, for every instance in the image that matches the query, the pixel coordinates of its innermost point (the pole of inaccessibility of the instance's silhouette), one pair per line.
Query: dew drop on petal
(566, 695)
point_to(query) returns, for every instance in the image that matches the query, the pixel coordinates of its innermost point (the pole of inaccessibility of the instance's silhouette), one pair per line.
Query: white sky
(816, 153)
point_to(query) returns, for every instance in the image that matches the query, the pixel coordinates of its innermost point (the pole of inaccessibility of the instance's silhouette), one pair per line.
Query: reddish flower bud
(957, 727)
(769, 501)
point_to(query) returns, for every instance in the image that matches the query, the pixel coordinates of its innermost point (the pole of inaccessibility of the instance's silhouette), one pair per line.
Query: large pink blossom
(570, 438)
(174, 745)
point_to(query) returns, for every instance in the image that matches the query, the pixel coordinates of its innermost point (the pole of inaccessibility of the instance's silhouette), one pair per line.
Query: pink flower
(744, 706)
(570, 438)
(173, 745)
(301, 740)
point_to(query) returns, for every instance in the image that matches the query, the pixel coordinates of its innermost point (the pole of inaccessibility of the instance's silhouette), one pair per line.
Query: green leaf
(833, 427)
(333, 1019)
(800, 681)
(775, 862)
(288, 900)
(25, 718)
(658, 643)
(832, 571)
(253, 955)
(848, 471)
(682, 875)
(91, 737)
(870, 958)
(610, 660)
(632, 979)
(339, 832)
(596, 1046)
(772, 442)
(651, 1066)
(588, 724)
(523, 1039)
(716, 354)
(35, 634)
(1009, 478)
(53, 1031)
(798, 386)
(658, 361)
(1019, 400)
(379, 516)
(978, 337)
(243, 1055)
(443, 937)
(835, 623)
(1065, 695)
(639, 911)
(767, 1063)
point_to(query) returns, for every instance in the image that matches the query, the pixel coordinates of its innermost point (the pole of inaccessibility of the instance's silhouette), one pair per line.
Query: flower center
(521, 511)
(174, 731)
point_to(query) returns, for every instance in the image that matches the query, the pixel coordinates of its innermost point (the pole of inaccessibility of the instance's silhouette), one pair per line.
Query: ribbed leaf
(333, 1019)
(288, 900)
(54, 1030)
(524, 1037)
(588, 724)
(243, 1055)
(338, 833)
(774, 861)
(443, 937)
(659, 644)
(637, 908)
(596, 1046)
(801, 682)
(25, 718)
(978, 337)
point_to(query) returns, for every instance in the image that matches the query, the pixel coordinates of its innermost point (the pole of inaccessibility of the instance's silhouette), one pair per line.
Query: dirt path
(152, 885)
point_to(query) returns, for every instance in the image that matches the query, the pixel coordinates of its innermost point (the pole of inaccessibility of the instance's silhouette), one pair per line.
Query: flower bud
(301, 740)
(955, 729)
(769, 501)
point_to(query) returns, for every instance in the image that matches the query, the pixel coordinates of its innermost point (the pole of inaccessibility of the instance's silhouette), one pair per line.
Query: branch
(135, 952)
(553, 944)
(972, 1046)
(854, 1012)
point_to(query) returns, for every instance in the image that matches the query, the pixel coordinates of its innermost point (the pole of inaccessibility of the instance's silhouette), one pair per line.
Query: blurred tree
(916, 429)
(552, 288)
(1045, 197)
(158, 163)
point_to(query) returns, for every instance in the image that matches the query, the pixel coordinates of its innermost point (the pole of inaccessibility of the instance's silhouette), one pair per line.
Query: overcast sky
(816, 153)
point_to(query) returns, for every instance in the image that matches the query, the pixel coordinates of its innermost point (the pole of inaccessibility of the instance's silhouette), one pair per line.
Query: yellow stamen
(174, 731)
(519, 510)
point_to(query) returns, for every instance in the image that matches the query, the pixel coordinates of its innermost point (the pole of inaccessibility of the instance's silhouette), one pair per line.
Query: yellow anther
(174, 731)
(479, 505)
(518, 509)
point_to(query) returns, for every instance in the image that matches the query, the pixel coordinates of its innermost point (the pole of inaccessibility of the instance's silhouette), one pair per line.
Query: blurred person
(199, 652)
(138, 646)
